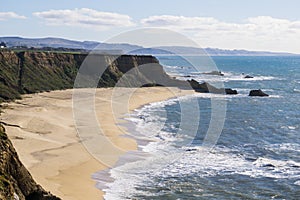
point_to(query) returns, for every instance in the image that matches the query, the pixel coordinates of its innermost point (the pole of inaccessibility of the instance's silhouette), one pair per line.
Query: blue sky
(272, 25)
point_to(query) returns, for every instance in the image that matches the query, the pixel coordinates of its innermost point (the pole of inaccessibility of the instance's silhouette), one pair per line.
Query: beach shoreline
(47, 142)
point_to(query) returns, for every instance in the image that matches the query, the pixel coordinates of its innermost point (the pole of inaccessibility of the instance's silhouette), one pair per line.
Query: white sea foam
(297, 183)
(297, 90)
(182, 73)
(164, 160)
(227, 77)
(222, 162)
(241, 78)
(292, 127)
(289, 128)
(196, 160)
(284, 147)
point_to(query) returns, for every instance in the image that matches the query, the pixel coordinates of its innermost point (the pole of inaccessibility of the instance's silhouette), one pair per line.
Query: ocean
(256, 155)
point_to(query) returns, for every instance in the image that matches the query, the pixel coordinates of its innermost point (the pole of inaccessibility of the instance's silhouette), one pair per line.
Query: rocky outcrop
(207, 88)
(230, 91)
(258, 93)
(248, 76)
(216, 73)
(15, 180)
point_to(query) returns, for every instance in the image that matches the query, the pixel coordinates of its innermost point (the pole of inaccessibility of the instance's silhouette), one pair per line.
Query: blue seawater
(257, 155)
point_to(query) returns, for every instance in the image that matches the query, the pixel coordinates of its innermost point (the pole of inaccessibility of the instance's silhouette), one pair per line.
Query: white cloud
(10, 15)
(257, 33)
(179, 22)
(85, 17)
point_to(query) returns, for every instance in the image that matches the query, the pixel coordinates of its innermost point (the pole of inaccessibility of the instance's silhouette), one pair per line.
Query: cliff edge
(30, 72)
(15, 181)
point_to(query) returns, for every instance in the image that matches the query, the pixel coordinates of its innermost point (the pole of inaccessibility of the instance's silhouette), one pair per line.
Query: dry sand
(47, 141)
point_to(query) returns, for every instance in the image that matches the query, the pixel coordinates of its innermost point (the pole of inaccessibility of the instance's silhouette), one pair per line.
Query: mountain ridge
(13, 41)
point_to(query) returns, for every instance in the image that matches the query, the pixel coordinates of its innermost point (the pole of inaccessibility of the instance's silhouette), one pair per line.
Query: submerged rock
(217, 73)
(230, 91)
(248, 76)
(152, 85)
(258, 93)
(207, 88)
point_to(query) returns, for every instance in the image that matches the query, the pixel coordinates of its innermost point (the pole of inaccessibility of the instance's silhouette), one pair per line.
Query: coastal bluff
(15, 180)
(28, 72)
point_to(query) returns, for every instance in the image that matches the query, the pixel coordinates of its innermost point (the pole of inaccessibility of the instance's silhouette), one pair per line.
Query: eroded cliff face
(30, 72)
(15, 181)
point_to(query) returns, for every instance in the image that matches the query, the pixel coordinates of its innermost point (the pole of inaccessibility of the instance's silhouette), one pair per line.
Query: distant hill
(47, 42)
(132, 49)
(214, 51)
(64, 43)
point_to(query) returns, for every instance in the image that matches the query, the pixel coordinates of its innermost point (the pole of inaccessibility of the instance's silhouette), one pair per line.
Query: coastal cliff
(30, 72)
(26, 72)
(15, 180)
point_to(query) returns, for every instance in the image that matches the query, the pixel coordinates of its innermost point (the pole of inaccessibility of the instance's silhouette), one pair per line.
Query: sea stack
(248, 76)
(258, 93)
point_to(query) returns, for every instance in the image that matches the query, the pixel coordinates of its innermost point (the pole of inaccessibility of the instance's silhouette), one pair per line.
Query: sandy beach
(48, 145)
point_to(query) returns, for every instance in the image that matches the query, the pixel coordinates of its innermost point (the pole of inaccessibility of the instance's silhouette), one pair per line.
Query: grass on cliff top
(42, 51)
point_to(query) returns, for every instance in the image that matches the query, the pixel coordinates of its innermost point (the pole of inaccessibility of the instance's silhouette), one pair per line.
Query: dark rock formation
(248, 76)
(207, 88)
(230, 91)
(15, 180)
(152, 85)
(258, 93)
(199, 87)
(217, 73)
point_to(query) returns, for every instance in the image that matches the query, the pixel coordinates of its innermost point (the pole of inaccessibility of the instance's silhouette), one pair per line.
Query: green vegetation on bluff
(23, 72)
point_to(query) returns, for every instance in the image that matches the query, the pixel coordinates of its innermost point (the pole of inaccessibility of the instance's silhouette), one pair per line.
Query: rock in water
(248, 76)
(217, 73)
(258, 93)
(230, 91)
(207, 88)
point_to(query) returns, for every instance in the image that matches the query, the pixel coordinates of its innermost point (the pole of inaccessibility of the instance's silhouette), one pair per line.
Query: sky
(263, 25)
